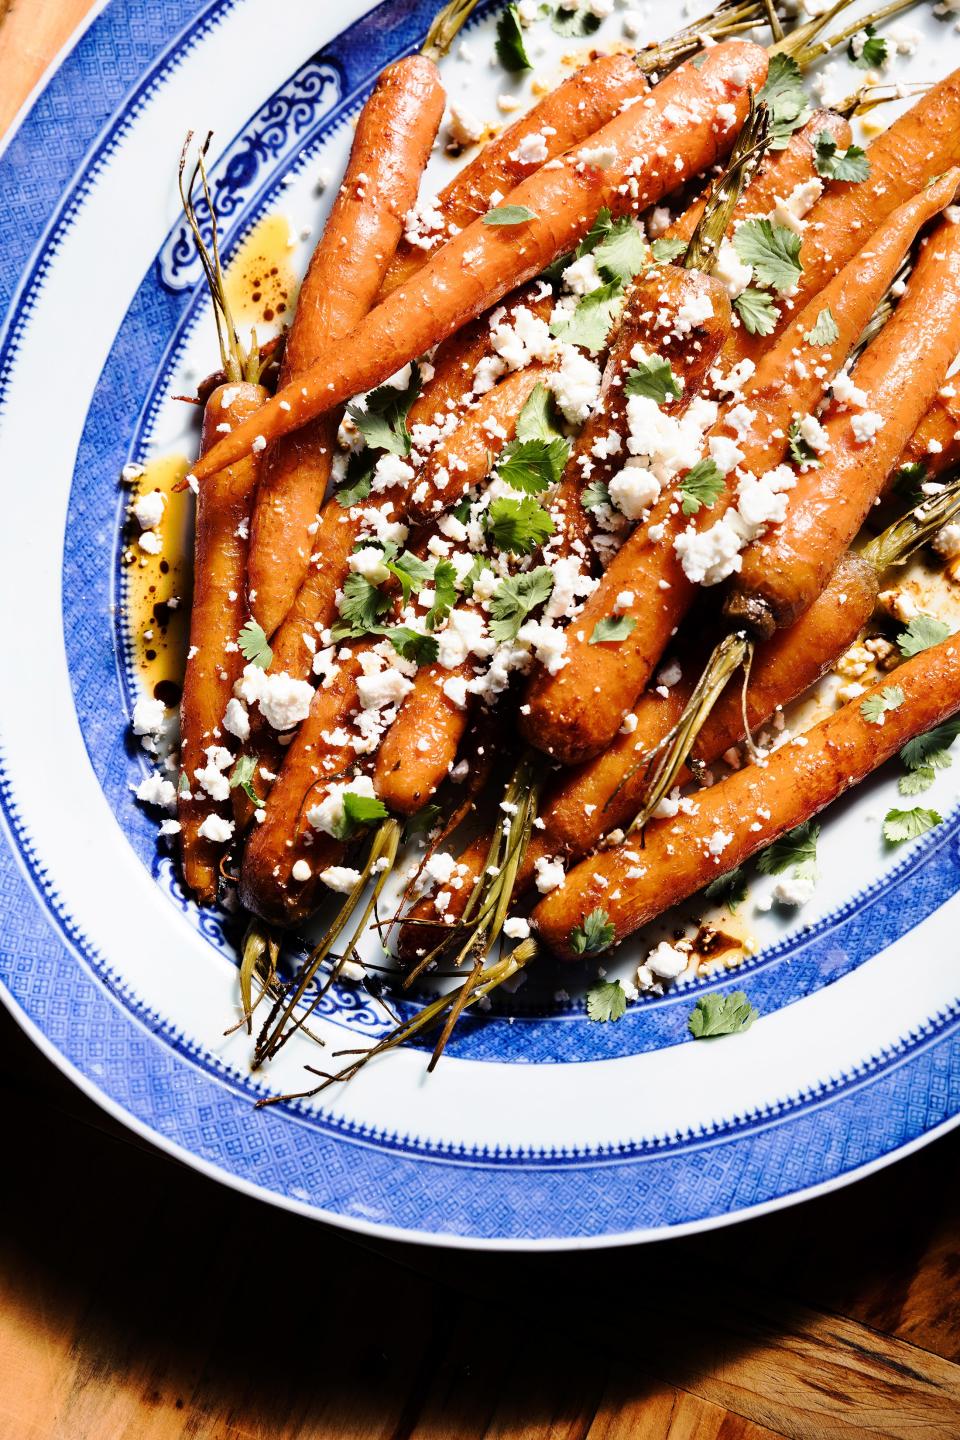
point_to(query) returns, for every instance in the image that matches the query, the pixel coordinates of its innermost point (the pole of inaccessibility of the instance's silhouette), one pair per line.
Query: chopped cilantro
(908, 480)
(509, 215)
(801, 451)
(721, 1015)
(606, 1001)
(519, 526)
(412, 572)
(569, 20)
(359, 480)
(654, 378)
(444, 594)
(612, 627)
(623, 252)
(252, 642)
(590, 323)
(875, 707)
(932, 749)
(851, 165)
(514, 598)
(772, 250)
(411, 645)
(757, 311)
(358, 810)
(798, 848)
(361, 607)
(511, 51)
(382, 419)
(596, 933)
(922, 632)
(703, 485)
(595, 495)
(784, 95)
(423, 821)
(533, 465)
(242, 774)
(729, 889)
(537, 419)
(899, 825)
(825, 329)
(665, 250)
(873, 52)
(917, 780)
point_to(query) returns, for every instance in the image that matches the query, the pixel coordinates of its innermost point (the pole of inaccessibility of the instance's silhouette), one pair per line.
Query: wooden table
(139, 1301)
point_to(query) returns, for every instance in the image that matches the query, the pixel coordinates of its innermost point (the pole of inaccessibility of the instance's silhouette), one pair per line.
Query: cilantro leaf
(665, 250)
(785, 98)
(595, 494)
(382, 419)
(361, 607)
(729, 889)
(876, 707)
(421, 822)
(801, 452)
(590, 323)
(851, 164)
(568, 20)
(358, 810)
(772, 250)
(509, 215)
(411, 645)
(359, 480)
(252, 642)
(899, 825)
(596, 933)
(797, 848)
(917, 781)
(654, 378)
(623, 252)
(932, 749)
(511, 51)
(606, 1001)
(242, 774)
(703, 485)
(612, 627)
(873, 51)
(922, 632)
(514, 598)
(757, 311)
(537, 419)
(519, 526)
(444, 593)
(908, 480)
(825, 329)
(721, 1015)
(412, 572)
(533, 465)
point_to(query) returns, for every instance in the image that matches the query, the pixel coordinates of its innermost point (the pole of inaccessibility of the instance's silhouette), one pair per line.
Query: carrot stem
(807, 56)
(446, 25)
(905, 536)
(704, 246)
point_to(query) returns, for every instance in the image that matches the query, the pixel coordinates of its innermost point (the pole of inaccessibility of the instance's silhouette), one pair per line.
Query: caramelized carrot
(218, 613)
(899, 373)
(578, 107)
(551, 211)
(574, 714)
(935, 443)
(751, 808)
(391, 146)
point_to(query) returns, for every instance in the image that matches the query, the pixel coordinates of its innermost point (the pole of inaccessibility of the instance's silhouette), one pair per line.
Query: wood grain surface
(139, 1301)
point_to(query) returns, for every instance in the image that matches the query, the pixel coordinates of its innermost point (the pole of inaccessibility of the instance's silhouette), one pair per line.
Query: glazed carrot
(780, 171)
(483, 262)
(589, 801)
(920, 144)
(583, 103)
(752, 807)
(899, 374)
(391, 146)
(216, 618)
(574, 714)
(936, 441)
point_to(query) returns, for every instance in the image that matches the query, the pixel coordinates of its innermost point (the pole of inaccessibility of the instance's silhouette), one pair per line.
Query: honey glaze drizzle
(156, 603)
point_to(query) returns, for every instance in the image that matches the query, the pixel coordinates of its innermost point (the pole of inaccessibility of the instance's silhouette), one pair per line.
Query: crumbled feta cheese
(327, 815)
(515, 928)
(301, 871)
(148, 509)
(865, 425)
(148, 716)
(155, 790)
(532, 150)
(549, 874)
(667, 961)
(217, 829)
(236, 720)
(340, 878)
(794, 889)
(464, 127)
(731, 271)
(283, 701)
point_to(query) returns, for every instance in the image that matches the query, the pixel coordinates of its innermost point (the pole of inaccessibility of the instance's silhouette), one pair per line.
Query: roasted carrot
(574, 714)
(899, 374)
(391, 146)
(751, 808)
(578, 107)
(218, 612)
(920, 144)
(935, 443)
(779, 173)
(551, 211)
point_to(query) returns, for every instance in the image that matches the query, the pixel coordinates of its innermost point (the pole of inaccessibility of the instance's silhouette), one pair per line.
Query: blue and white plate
(539, 1129)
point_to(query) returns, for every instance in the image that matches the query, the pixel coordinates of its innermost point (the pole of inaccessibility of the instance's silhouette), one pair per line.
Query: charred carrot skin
(574, 714)
(899, 373)
(589, 801)
(391, 146)
(753, 807)
(216, 618)
(919, 145)
(576, 109)
(779, 173)
(481, 264)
